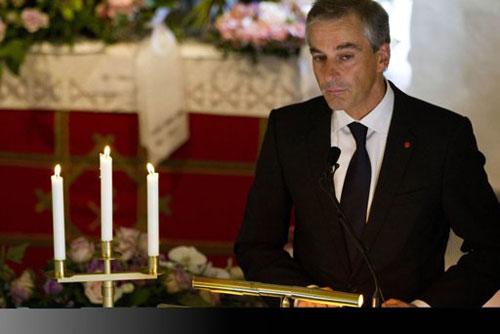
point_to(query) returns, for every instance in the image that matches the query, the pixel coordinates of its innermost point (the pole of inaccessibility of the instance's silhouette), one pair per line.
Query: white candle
(58, 214)
(106, 165)
(153, 213)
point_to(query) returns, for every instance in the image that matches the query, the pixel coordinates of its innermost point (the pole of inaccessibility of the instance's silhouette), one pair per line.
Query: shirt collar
(378, 120)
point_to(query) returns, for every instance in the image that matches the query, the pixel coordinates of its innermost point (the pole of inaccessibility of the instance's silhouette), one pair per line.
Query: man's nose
(332, 70)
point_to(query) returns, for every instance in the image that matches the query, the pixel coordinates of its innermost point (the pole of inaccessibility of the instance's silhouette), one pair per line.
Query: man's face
(348, 71)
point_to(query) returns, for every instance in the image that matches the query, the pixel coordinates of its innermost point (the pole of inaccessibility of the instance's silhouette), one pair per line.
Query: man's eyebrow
(348, 45)
(343, 46)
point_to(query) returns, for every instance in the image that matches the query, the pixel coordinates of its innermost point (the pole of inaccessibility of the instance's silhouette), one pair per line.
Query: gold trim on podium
(286, 292)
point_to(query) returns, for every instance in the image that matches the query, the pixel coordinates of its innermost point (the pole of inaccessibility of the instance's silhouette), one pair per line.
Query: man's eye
(346, 57)
(318, 58)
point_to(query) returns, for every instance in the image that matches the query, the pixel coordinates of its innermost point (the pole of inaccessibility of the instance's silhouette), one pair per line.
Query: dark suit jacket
(424, 188)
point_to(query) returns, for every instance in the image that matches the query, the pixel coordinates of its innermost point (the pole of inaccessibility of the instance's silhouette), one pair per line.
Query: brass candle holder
(107, 277)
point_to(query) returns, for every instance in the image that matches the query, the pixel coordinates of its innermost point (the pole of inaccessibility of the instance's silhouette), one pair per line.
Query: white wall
(455, 55)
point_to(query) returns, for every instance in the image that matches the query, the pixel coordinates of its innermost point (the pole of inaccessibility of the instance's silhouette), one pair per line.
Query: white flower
(211, 271)
(272, 13)
(126, 288)
(189, 257)
(236, 273)
(167, 264)
(304, 5)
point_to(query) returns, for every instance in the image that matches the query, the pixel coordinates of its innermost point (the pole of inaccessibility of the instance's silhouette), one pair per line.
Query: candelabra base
(107, 277)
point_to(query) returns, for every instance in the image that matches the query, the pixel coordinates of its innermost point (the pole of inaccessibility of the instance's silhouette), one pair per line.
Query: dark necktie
(356, 188)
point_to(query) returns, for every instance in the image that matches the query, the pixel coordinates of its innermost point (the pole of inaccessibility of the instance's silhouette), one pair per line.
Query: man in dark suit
(408, 171)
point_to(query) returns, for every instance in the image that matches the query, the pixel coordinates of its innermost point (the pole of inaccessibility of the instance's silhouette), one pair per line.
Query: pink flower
(121, 3)
(101, 11)
(177, 280)
(34, 20)
(128, 239)
(259, 24)
(93, 291)
(21, 288)
(142, 245)
(279, 33)
(3, 28)
(81, 250)
(297, 30)
(210, 297)
(123, 7)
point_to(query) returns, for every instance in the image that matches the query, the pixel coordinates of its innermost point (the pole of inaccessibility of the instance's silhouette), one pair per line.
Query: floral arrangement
(25, 22)
(265, 27)
(130, 245)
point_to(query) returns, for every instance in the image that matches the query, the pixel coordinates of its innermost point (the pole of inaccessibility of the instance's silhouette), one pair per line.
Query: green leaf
(77, 5)
(14, 53)
(16, 253)
(193, 300)
(67, 13)
(6, 273)
(139, 296)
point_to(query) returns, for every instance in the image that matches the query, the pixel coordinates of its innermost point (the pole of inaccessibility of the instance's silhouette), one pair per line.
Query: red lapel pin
(407, 144)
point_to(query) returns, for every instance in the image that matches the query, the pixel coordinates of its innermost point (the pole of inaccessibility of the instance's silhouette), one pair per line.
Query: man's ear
(384, 56)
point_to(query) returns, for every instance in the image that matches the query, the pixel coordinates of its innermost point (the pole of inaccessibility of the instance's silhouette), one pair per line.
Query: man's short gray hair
(371, 13)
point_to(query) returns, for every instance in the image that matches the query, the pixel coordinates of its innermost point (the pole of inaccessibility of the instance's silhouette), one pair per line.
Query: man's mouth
(334, 91)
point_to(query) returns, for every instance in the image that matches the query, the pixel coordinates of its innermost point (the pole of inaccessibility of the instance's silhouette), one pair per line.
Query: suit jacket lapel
(318, 145)
(399, 147)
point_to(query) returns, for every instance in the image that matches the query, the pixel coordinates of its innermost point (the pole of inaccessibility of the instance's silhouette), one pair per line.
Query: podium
(286, 293)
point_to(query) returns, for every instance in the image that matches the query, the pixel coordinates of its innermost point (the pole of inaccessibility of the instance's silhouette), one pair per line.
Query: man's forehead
(338, 33)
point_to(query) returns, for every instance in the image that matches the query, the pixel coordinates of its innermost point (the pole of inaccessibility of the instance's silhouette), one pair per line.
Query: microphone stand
(327, 178)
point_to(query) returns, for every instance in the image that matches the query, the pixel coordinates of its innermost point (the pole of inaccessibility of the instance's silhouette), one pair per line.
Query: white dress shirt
(377, 121)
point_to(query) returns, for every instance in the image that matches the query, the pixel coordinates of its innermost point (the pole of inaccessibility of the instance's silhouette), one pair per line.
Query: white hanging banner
(159, 72)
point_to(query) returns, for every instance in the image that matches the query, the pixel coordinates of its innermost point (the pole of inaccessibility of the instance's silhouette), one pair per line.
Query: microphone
(333, 157)
(326, 184)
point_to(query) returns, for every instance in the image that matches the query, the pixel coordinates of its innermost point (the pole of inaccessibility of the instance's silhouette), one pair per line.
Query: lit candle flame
(150, 168)
(107, 151)
(57, 170)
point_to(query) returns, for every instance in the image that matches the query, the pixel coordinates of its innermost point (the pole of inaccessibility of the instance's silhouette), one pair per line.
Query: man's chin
(334, 103)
